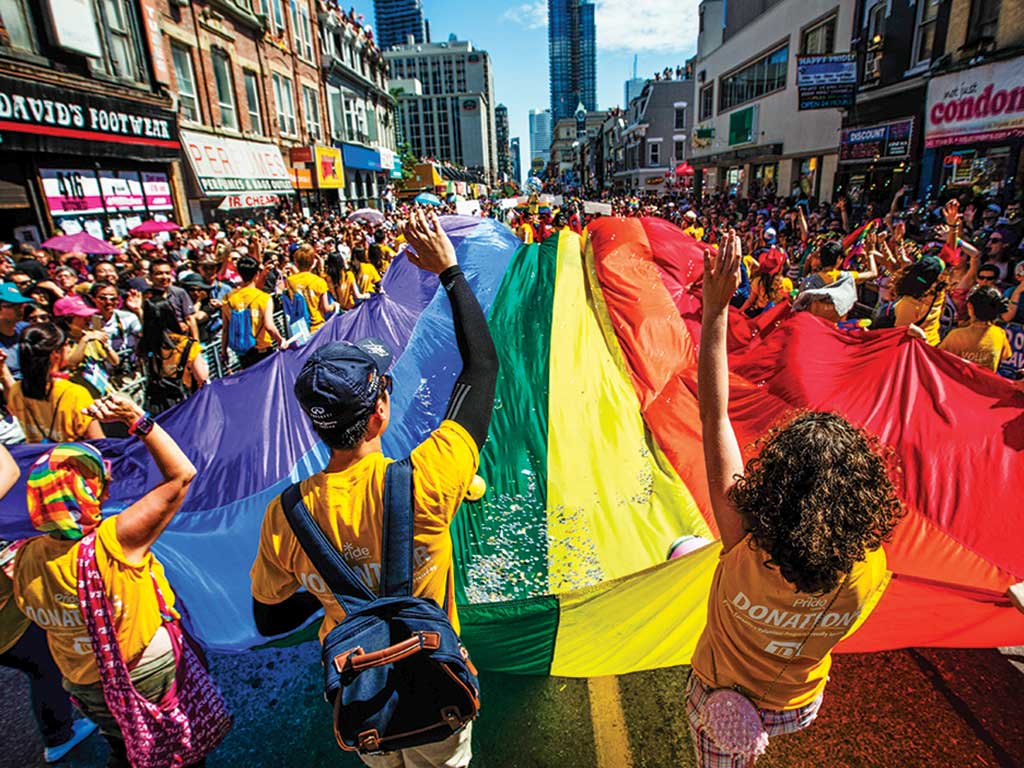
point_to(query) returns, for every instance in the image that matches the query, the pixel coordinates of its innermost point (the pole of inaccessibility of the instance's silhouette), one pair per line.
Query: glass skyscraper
(572, 52)
(397, 19)
(540, 134)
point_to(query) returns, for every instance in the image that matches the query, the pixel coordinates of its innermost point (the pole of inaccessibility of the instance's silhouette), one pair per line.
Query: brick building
(245, 77)
(88, 139)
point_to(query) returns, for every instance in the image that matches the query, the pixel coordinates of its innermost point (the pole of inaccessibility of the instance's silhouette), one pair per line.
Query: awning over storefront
(360, 158)
(224, 166)
(46, 119)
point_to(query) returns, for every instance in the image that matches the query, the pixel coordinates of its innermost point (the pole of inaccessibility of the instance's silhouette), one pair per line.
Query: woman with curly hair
(801, 566)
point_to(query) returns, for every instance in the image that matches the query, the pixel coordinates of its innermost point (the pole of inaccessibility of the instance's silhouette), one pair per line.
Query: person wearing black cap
(345, 390)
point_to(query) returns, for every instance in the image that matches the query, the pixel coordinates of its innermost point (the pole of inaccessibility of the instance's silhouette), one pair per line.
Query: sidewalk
(901, 709)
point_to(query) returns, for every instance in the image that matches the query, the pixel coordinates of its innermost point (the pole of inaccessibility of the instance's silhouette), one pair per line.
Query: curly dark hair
(819, 494)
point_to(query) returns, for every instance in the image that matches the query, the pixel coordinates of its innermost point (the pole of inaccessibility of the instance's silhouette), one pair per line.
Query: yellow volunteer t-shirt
(313, 288)
(348, 506)
(829, 276)
(45, 587)
(757, 620)
(252, 298)
(344, 292)
(981, 343)
(369, 277)
(13, 622)
(909, 311)
(58, 419)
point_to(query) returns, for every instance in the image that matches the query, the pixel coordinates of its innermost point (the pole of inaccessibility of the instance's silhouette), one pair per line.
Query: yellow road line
(611, 740)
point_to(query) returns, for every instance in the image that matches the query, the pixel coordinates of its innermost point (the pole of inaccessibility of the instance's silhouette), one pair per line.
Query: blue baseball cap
(10, 294)
(340, 383)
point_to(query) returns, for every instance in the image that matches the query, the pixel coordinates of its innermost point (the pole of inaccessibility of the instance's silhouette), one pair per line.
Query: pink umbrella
(151, 227)
(82, 242)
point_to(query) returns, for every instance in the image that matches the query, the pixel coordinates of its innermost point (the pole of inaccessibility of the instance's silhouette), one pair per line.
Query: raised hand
(431, 250)
(722, 273)
(951, 211)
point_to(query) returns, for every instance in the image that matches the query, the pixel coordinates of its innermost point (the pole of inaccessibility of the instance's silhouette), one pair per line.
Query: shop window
(653, 154)
(225, 89)
(707, 101)
(284, 100)
(311, 109)
(754, 80)
(924, 37)
(819, 39)
(680, 118)
(17, 20)
(807, 176)
(984, 21)
(252, 100)
(188, 104)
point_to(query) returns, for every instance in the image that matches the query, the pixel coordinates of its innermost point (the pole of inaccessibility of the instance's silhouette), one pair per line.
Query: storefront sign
(888, 141)
(329, 171)
(360, 158)
(224, 166)
(653, 181)
(826, 82)
(743, 125)
(157, 190)
(254, 200)
(984, 103)
(387, 159)
(301, 154)
(302, 178)
(53, 114)
(71, 190)
(122, 191)
(151, 25)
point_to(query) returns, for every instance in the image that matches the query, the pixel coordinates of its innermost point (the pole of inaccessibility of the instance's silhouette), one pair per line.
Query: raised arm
(722, 458)
(142, 523)
(473, 395)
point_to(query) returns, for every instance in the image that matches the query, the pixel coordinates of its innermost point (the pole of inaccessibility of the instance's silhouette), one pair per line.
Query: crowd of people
(77, 331)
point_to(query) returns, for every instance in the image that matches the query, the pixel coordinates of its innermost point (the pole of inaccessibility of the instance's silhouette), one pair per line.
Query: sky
(514, 32)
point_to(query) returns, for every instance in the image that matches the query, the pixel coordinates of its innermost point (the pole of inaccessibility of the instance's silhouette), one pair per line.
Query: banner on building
(330, 173)
(888, 141)
(224, 166)
(253, 200)
(157, 190)
(827, 81)
(71, 190)
(984, 103)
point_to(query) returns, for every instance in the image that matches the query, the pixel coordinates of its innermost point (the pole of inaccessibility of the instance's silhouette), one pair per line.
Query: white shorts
(454, 752)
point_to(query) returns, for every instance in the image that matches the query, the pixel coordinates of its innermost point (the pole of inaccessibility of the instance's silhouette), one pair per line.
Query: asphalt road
(901, 709)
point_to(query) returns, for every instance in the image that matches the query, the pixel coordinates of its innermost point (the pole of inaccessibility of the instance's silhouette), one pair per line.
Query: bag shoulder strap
(184, 359)
(396, 557)
(329, 563)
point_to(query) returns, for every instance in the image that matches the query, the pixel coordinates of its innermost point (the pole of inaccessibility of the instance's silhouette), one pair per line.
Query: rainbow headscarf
(65, 490)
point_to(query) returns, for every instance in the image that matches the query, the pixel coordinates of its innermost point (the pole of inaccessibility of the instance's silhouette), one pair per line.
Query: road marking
(611, 740)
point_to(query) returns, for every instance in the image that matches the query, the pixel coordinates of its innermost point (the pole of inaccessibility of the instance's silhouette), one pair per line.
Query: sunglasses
(987, 278)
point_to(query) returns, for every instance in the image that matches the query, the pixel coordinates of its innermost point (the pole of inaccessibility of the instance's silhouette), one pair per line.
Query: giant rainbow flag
(593, 462)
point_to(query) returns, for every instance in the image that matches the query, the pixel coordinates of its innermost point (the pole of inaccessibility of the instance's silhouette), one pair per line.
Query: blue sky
(514, 33)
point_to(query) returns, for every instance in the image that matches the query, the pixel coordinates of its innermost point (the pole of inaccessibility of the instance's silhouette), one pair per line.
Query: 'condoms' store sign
(980, 104)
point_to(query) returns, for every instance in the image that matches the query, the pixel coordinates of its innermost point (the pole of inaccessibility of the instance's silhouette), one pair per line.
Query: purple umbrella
(151, 227)
(369, 215)
(80, 242)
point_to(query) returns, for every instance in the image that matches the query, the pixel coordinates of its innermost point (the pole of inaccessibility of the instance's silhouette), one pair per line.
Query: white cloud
(646, 25)
(532, 15)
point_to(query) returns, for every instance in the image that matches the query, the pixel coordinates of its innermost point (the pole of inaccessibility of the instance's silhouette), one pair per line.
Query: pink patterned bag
(192, 718)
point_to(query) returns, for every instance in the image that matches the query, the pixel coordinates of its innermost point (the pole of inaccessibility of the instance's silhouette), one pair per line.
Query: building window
(188, 104)
(284, 100)
(122, 60)
(225, 89)
(654, 154)
(274, 11)
(680, 122)
(336, 110)
(924, 39)
(311, 109)
(680, 151)
(17, 20)
(252, 100)
(707, 101)
(819, 39)
(754, 80)
(306, 28)
(984, 21)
